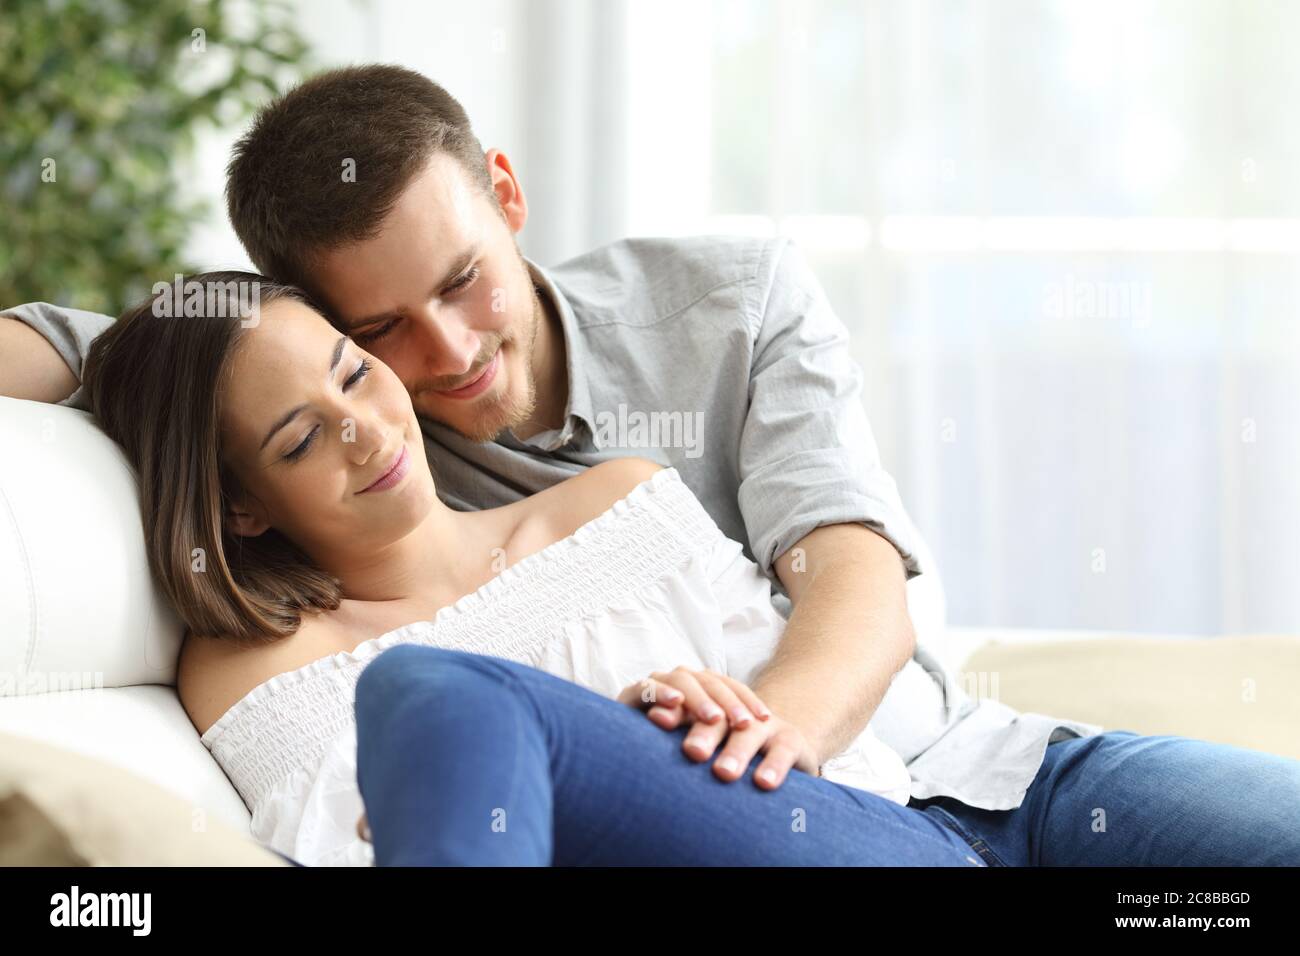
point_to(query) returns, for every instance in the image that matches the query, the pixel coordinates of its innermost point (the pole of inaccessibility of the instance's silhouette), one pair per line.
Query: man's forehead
(439, 200)
(454, 190)
(429, 233)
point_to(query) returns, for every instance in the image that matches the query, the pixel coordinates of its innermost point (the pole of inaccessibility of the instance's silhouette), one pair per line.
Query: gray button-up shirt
(721, 357)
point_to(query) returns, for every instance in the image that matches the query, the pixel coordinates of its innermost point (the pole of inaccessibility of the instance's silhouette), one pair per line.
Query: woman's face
(322, 437)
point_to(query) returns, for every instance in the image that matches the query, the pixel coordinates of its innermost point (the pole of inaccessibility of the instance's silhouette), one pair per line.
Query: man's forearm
(848, 634)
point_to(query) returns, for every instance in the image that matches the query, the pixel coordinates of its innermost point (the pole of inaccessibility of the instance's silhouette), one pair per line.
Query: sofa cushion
(59, 808)
(88, 645)
(78, 606)
(142, 729)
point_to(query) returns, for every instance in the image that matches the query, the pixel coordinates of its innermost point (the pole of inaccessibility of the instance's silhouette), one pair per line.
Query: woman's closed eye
(304, 445)
(363, 369)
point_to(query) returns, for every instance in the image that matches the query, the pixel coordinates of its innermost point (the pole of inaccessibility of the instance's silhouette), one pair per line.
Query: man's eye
(377, 334)
(464, 280)
(302, 448)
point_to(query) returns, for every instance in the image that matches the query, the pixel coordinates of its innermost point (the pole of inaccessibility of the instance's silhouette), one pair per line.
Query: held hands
(722, 708)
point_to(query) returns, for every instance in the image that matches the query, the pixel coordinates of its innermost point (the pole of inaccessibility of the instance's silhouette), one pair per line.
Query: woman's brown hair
(155, 381)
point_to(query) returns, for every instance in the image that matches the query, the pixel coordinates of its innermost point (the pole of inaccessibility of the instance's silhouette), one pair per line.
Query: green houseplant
(99, 103)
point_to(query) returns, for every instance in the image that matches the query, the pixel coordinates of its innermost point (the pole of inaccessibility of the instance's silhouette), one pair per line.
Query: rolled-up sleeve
(70, 331)
(807, 454)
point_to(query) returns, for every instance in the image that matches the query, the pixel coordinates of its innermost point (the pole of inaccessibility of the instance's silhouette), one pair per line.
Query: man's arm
(43, 348)
(30, 367)
(823, 515)
(848, 635)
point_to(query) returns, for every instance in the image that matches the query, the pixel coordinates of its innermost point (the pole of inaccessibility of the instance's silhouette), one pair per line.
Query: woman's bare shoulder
(608, 482)
(215, 673)
(563, 508)
(618, 476)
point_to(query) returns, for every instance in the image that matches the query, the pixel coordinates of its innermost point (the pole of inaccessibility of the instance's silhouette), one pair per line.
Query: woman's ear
(246, 518)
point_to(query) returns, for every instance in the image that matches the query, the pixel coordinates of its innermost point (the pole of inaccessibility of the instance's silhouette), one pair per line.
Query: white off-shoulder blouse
(647, 585)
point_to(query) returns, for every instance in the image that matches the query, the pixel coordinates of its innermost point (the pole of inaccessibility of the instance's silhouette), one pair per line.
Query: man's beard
(507, 411)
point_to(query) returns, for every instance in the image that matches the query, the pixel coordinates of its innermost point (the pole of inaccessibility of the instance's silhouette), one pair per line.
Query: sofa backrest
(77, 601)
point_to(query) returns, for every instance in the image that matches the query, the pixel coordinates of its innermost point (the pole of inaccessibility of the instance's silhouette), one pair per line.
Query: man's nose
(450, 344)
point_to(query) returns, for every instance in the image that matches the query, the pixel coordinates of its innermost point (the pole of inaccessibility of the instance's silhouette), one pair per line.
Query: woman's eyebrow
(295, 412)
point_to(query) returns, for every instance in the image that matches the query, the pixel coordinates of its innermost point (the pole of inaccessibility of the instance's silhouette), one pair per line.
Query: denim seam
(977, 844)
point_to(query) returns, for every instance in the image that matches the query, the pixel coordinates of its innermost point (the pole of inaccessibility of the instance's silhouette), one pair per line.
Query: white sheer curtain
(1064, 235)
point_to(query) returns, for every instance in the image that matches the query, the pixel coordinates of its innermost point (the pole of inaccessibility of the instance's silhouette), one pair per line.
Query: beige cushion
(1233, 690)
(58, 808)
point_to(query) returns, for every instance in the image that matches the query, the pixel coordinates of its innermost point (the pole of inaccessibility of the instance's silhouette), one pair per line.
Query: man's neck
(550, 372)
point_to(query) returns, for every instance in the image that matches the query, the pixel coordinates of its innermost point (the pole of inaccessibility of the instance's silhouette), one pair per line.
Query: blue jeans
(1124, 799)
(465, 759)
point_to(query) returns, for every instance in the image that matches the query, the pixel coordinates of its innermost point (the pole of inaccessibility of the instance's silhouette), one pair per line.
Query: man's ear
(510, 194)
(246, 518)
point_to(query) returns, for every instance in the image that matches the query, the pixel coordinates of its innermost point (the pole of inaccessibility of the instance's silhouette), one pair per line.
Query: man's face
(442, 296)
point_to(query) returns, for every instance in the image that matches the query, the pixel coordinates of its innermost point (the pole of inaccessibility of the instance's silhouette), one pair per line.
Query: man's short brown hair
(286, 189)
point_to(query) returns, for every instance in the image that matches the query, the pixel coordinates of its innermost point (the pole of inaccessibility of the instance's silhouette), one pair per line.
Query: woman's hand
(702, 697)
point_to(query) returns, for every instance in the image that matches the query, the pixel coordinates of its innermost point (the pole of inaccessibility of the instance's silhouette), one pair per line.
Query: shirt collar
(575, 355)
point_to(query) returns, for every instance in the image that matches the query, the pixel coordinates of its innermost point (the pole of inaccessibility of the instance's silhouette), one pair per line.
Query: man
(367, 187)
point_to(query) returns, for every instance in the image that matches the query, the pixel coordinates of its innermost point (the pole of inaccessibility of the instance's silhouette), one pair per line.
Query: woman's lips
(480, 384)
(393, 475)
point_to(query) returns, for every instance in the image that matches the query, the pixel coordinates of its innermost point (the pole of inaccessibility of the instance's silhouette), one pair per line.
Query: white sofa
(88, 646)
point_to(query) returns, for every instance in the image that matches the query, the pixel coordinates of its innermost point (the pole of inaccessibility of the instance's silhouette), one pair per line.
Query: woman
(292, 520)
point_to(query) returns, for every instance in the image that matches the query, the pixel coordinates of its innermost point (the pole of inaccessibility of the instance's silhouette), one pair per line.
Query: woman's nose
(363, 436)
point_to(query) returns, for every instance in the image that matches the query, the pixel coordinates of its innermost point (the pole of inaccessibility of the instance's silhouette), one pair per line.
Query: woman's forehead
(287, 331)
(290, 347)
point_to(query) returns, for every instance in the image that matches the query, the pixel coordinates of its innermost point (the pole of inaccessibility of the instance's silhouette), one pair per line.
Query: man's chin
(488, 423)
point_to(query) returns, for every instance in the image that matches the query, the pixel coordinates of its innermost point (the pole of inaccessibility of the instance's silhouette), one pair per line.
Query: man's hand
(700, 697)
